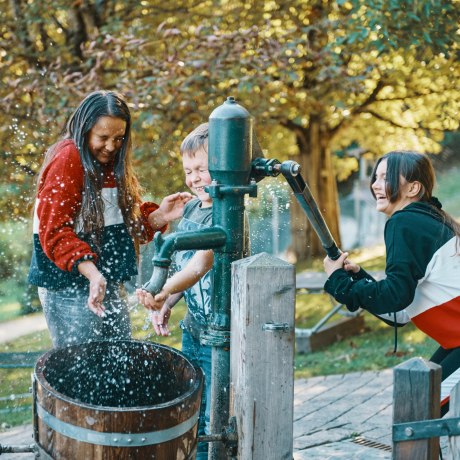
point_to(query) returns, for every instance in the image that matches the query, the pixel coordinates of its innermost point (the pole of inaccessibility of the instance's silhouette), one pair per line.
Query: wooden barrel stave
(129, 425)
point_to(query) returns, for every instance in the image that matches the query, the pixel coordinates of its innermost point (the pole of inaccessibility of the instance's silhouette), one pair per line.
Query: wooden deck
(344, 416)
(340, 416)
(335, 417)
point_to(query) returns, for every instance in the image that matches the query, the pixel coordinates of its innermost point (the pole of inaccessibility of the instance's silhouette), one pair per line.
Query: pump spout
(156, 282)
(208, 238)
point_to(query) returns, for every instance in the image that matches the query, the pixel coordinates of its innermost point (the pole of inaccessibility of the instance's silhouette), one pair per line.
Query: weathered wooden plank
(416, 396)
(454, 411)
(330, 333)
(262, 356)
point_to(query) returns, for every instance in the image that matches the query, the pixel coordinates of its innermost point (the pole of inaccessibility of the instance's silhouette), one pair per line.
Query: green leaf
(413, 16)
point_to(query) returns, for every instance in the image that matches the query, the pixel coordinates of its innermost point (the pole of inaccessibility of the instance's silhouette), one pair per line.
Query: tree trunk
(84, 24)
(316, 163)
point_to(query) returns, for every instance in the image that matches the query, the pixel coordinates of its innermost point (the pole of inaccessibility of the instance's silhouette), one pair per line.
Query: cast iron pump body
(235, 163)
(230, 147)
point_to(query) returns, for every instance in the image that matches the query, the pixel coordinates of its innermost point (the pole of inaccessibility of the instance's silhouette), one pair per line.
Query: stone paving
(24, 325)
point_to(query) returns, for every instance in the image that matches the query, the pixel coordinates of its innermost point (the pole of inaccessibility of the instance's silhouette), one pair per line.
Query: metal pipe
(20, 449)
(262, 167)
(230, 152)
(208, 238)
(291, 172)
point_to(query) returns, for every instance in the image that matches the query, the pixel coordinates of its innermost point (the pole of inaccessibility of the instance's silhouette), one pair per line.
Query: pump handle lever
(291, 171)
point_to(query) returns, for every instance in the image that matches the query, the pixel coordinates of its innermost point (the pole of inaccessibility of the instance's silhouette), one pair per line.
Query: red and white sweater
(60, 244)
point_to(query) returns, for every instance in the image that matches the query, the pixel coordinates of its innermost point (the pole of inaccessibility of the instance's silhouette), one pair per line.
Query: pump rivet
(409, 432)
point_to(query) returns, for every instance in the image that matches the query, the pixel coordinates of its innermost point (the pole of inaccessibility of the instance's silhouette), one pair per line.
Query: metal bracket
(215, 338)
(276, 327)
(228, 437)
(424, 429)
(216, 190)
(262, 167)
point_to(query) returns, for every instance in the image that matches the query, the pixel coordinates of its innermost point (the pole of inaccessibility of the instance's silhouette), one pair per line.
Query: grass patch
(10, 307)
(372, 350)
(9, 311)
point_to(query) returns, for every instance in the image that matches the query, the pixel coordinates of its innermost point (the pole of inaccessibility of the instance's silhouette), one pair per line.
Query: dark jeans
(200, 355)
(449, 360)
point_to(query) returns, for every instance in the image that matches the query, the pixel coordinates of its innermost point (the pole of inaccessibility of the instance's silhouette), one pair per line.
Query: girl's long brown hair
(96, 105)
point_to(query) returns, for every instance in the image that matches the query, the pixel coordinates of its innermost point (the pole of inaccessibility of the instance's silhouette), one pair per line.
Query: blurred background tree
(318, 76)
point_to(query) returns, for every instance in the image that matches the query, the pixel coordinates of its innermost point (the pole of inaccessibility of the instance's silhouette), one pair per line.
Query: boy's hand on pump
(330, 266)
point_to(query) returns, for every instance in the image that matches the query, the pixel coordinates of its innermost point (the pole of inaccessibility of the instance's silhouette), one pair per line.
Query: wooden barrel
(116, 400)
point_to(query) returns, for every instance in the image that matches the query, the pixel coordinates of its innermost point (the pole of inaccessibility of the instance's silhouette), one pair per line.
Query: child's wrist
(165, 294)
(167, 297)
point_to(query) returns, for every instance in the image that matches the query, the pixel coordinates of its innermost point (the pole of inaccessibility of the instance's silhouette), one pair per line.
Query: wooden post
(454, 412)
(262, 357)
(416, 396)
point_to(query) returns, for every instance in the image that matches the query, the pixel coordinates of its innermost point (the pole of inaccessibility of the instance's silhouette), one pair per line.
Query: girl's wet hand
(97, 288)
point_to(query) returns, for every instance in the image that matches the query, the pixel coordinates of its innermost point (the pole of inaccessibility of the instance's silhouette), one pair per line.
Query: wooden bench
(19, 359)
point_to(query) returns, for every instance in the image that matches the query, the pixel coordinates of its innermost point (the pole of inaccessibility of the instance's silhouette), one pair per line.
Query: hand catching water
(160, 320)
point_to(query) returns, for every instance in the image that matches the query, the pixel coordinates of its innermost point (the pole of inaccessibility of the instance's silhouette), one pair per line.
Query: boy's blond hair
(195, 140)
